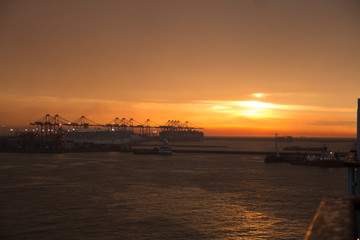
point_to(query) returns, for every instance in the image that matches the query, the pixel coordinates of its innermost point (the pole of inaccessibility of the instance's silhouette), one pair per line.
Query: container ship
(68, 141)
(101, 139)
(184, 135)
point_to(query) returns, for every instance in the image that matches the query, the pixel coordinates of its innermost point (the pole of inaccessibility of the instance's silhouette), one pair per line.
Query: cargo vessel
(326, 159)
(101, 139)
(184, 135)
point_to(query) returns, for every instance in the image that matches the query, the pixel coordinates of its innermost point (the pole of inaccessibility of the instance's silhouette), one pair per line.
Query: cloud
(268, 105)
(333, 123)
(249, 108)
(203, 111)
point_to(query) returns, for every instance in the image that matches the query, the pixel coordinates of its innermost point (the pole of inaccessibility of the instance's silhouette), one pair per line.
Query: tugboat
(165, 149)
(162, 150)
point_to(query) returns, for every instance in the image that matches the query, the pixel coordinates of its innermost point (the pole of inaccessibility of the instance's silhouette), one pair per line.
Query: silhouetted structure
(172, 129)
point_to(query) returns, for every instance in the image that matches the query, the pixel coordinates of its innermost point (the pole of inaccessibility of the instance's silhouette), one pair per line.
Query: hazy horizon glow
(237, 68)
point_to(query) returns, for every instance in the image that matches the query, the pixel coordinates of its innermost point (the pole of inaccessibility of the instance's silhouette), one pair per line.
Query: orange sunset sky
(234, 67)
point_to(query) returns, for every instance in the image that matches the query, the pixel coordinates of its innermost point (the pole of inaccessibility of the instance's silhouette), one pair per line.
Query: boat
(102, 137)
(299, 148)
(162, 150)
(326, 159)
(186, 135)
(165, 149)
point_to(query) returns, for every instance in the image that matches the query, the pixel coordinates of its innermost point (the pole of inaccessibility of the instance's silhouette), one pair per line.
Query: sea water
(183, 196)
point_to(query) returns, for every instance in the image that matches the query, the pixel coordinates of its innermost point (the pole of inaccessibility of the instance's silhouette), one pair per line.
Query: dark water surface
(183, 196)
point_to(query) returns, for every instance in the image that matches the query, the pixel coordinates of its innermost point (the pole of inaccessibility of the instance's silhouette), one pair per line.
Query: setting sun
(258, 95)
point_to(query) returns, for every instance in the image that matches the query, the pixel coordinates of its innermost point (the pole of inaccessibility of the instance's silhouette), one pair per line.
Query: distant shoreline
(295, 139)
